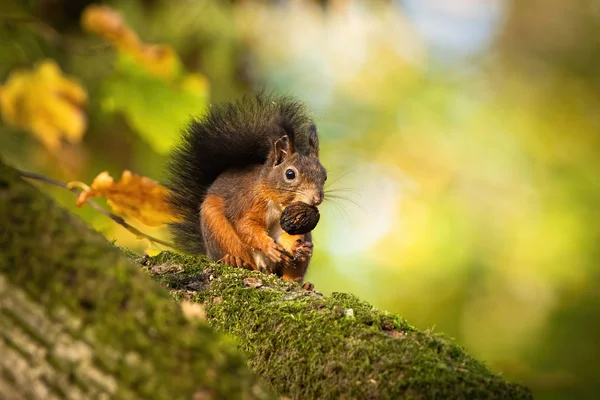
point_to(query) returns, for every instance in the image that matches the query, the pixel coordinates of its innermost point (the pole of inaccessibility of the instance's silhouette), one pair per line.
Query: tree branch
(96, 206)
(69, 301)
(309, 346)
(78, 320)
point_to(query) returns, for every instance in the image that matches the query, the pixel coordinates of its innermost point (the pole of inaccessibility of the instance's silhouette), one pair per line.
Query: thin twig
(114, 217)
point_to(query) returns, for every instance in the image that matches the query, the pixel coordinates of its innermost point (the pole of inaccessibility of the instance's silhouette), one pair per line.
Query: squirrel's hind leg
(221, 240)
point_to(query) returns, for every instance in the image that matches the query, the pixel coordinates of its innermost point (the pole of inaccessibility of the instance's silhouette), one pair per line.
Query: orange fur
(291, 243)
(266, 193)
(222, 231)
(295, 274)
(251, 227)
(253, 232)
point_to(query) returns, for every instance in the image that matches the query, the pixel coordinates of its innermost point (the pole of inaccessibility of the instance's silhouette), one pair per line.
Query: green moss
(303, 344)
(139, 335)
(309, 346)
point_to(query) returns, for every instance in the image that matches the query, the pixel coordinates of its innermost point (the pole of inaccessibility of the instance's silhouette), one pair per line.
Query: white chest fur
(274, 229)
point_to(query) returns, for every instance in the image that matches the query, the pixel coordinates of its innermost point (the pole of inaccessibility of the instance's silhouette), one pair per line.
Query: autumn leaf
(146, 77)
(158, 59)
(135, 196)
(46, 103)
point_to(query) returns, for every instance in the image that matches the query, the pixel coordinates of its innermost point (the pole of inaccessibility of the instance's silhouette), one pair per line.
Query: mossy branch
(304, 345)
(79, 320)
(308, 346)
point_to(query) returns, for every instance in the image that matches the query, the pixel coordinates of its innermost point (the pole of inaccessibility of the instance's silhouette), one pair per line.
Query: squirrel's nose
(317, 199)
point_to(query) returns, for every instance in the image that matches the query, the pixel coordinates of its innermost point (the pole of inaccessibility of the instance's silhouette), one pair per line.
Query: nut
(299, 218)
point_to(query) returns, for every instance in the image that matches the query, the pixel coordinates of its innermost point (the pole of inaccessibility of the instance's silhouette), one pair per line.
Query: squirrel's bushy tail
(231, 135)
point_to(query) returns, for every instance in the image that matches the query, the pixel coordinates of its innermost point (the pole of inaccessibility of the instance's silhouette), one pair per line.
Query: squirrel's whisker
(339, 197)
(337, 179)
(296, 192)
(349, 190)
(341, 208)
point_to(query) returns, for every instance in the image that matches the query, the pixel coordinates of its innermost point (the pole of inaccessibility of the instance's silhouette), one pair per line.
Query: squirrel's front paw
(234, 261)
(303, 250)
(277, 253)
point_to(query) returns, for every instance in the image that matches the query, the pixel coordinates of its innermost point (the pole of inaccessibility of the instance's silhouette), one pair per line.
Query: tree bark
(78, 319)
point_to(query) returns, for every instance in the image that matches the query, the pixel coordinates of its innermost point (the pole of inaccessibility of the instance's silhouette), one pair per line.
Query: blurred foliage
(45, 103)
(147, 78)
(461, 138)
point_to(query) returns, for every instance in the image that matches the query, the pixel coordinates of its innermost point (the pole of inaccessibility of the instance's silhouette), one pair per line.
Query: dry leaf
(252, 282)
(160, 60)
(45, 103)
(106, 22)
(135, 196)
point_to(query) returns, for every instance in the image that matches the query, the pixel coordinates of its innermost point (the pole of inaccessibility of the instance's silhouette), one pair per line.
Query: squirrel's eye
(290, 174)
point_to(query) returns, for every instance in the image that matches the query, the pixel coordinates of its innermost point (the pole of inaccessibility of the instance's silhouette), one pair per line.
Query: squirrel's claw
(306, 285)
(278, 254)
(234, 261)
(287, 259)
(304, 251)
(301, 252)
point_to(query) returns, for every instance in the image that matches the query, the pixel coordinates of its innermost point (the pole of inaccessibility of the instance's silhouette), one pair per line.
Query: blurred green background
(463, 136)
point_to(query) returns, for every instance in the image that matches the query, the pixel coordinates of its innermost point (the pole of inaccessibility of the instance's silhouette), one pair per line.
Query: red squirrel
(234, 171)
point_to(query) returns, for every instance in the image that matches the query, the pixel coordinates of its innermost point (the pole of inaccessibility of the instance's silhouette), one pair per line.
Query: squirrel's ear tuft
(286, 126)
(282, 149)
(313, 141)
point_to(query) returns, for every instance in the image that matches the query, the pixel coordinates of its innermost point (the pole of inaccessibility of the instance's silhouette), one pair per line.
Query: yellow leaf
(160, 60)
(45, 103)
(135, 196)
